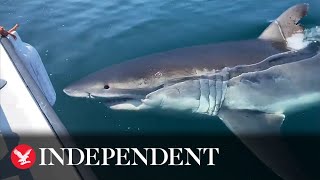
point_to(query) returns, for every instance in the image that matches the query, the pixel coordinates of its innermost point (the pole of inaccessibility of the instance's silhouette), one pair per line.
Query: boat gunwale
(50, 115)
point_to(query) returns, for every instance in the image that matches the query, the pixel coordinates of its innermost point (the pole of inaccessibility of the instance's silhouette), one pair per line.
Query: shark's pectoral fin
(286, 24)
(243, 122)
(260, 132)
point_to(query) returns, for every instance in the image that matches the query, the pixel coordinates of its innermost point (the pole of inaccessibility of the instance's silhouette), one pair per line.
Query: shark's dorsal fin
(286, 24)
(260, 132)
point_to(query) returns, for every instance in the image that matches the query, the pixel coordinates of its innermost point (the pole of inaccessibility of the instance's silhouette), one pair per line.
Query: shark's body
(133, 79)
(210, 79)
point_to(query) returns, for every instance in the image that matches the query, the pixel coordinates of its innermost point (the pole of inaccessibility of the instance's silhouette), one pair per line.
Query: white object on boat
(32, 61)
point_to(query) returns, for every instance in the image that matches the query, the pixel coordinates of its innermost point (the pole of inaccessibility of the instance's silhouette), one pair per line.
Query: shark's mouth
(126, 99)
(118, 100)
(124, 104)
(122, 100)
(114, 101)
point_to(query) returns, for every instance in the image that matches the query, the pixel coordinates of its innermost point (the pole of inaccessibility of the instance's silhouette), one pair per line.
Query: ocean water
(78, 37)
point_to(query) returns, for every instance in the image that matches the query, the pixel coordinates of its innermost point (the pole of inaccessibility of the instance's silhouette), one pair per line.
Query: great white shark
(248, 84)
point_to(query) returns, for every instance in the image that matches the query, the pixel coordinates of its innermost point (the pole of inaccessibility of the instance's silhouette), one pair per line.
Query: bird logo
(23, 156)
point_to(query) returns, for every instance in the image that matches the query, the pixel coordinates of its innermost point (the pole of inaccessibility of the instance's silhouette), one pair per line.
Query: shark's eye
(106, 86)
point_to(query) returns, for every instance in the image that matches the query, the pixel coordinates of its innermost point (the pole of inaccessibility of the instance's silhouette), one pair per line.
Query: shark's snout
(114, 95)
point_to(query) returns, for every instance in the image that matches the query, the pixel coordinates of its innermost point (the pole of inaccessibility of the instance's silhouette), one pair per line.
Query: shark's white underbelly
(256, 101)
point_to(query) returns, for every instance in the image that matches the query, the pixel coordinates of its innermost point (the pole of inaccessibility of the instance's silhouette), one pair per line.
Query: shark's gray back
(192, 61)
(215, 56)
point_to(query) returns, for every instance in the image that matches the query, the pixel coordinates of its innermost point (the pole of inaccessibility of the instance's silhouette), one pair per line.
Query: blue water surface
(78, 37)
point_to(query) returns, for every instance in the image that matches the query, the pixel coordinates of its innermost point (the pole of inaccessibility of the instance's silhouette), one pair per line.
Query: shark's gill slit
(218, 94)
(203, 101)
(213, 93)
(208, 95)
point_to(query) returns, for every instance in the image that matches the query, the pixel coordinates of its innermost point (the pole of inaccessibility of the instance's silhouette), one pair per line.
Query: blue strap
(2, 83)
